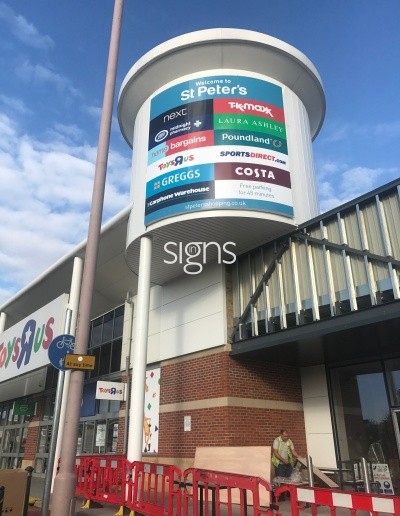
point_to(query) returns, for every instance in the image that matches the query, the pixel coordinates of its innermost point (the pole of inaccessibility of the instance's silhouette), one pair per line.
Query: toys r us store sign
(23, 347)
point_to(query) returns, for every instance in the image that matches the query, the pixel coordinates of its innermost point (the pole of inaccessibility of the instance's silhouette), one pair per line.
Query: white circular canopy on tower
(221, 48)
(146, 100)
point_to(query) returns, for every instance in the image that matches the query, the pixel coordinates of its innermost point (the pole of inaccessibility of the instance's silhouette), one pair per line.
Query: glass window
(44, 439)
(393, 377)
(80, 437)
(112, 436)
(105, 359)
(24, 438)
(40, 465)
(88, 437)
(106, 342)
(10, 463)
(4, 414)
(107, 406)
(362, 415)
(97, 326)
(103, 406)
(51, 378)
(114, 406)
(101, 433)
(13, 419)
(108, 322)
(116, 356)
(48, 407)
(96, 353)
(118, 322)
(8, 441)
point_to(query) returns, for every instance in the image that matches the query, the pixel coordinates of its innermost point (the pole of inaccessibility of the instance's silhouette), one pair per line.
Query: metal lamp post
(63, 501)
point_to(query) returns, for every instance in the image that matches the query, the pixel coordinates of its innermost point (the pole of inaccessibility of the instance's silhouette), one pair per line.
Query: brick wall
(238, 385)
(121, 432)
(31, 443)
(33, 433)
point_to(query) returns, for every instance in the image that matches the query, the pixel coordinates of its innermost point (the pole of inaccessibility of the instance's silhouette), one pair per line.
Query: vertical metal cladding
(224, 142)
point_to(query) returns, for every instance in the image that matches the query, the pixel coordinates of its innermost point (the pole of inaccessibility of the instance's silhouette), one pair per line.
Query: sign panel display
(75, 361)
(101, 434)
(88, 407)
(24, 346)
(217, 142)
(24, 408)
(110, 390)
(59, 347)
(381, 475)
(151, 419)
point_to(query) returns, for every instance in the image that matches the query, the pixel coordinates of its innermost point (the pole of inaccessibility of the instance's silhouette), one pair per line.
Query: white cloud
(39, 74)
(336, 132)
(45, 199)
(14, 105)
(388, 129)
(23, 30)
(338, 183)
(66, 133)
(94, 111)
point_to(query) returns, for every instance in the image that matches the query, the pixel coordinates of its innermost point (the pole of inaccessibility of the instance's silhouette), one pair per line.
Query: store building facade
(297, 331)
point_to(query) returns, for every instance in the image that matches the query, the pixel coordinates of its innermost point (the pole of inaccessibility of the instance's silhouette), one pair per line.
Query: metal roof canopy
(333, 340)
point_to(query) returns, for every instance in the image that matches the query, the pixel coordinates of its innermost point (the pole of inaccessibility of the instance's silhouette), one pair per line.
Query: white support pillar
(136, 412)
(73, 305)
(3, 318)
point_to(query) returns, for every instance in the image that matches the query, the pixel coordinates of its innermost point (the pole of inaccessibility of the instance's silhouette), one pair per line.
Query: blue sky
(53, 58)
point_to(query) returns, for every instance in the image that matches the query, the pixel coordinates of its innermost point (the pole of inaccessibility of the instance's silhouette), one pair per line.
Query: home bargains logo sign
(23, 347)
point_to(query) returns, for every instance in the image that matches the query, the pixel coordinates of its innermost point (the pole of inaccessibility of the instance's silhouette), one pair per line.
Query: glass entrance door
(366, 424)
(396, 424)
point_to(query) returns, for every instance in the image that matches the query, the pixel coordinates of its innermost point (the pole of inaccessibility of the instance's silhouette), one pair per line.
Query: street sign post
(74, 361)
(58, 348)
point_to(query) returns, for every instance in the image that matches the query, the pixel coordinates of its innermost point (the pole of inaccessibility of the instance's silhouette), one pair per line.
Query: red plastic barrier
(82, 474)
(157, 490)
(101, 478)
(154, 489)
(210, 492)
(314, 497)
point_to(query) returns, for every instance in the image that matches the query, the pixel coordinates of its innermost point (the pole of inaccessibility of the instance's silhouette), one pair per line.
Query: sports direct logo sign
(202, 127)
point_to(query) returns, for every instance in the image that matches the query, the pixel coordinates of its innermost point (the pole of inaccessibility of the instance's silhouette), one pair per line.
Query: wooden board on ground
(318, 473)
(242, 460)
(15, 483)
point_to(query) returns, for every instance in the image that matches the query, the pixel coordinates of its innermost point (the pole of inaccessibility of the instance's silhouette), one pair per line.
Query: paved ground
(108, 510)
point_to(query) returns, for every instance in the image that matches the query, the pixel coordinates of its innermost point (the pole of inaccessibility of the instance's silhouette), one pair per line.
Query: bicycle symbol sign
(59, 347)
